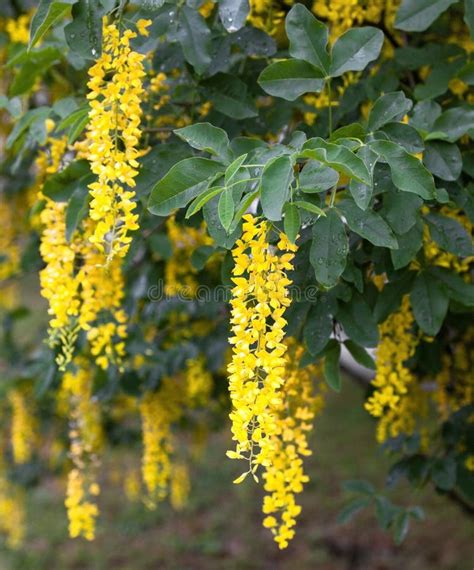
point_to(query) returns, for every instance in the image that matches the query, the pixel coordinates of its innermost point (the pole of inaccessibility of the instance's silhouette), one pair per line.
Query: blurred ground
(221, 527)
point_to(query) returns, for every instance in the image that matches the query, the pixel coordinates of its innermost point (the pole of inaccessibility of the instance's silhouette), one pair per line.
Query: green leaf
(418, 15)
(469, 15)
(233, 14)
(389, 107)
(276, 179)
(429, 302)
(308, 37)
(84, 33)
(453, 123)
(60, 186)
(202, 199)
(156, 163)
(46, 15)
(195, 38)
(408, 173)
(183, 182)
(77, 209)
(352, 131)
(390, 298)
(338, 157)
(201, 255)
(359, 354)
(329, 248)
(233, 168)
(315, 177)
(443, 159)
(290, 78)
(34, 65)
(362, 193)
(449, 234)
(355, 49)
(77, 128)
(443, 473)
(331, 365)
(206, 137)
(215, 228)
(351, 510)
(368, 224)
(358, 321)
(403, 134)
(229, 96)
(225, 208)
(456, 287)
(28, 121)
(291, 221)
(318, 328)
(425, 114)
(309, 207)
(401, 526)
(401, 210)
(409, 244)
(359, 486)
(243, 207)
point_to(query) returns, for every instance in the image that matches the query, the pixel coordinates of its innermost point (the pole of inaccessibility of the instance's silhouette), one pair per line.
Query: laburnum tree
(220, 198)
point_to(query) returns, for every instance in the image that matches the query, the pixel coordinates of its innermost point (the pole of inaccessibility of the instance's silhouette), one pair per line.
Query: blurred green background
(221, 526)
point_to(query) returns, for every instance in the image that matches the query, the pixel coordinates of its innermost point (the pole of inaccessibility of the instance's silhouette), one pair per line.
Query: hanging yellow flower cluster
(256, 372)
(393, 378)
(180, 486)
(113, 134)
(23, 426)
(12, 510)
(159, 411)
(179, 271)
(198, 382)
(79, 287)
(58, 283)
(10, 248)
(284, 475)
(86, 442)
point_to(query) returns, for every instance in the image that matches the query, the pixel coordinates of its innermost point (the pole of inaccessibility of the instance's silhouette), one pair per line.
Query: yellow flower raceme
(179, 486)
(24, 435)
(113, 134)
(12, 511)
(284, 475)
(198, 382)
(393, 378)
(256, 373)
(159, 410)
(86, 442)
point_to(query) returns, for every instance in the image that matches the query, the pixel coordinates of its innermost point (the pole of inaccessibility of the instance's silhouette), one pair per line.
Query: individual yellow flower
(142, 26)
